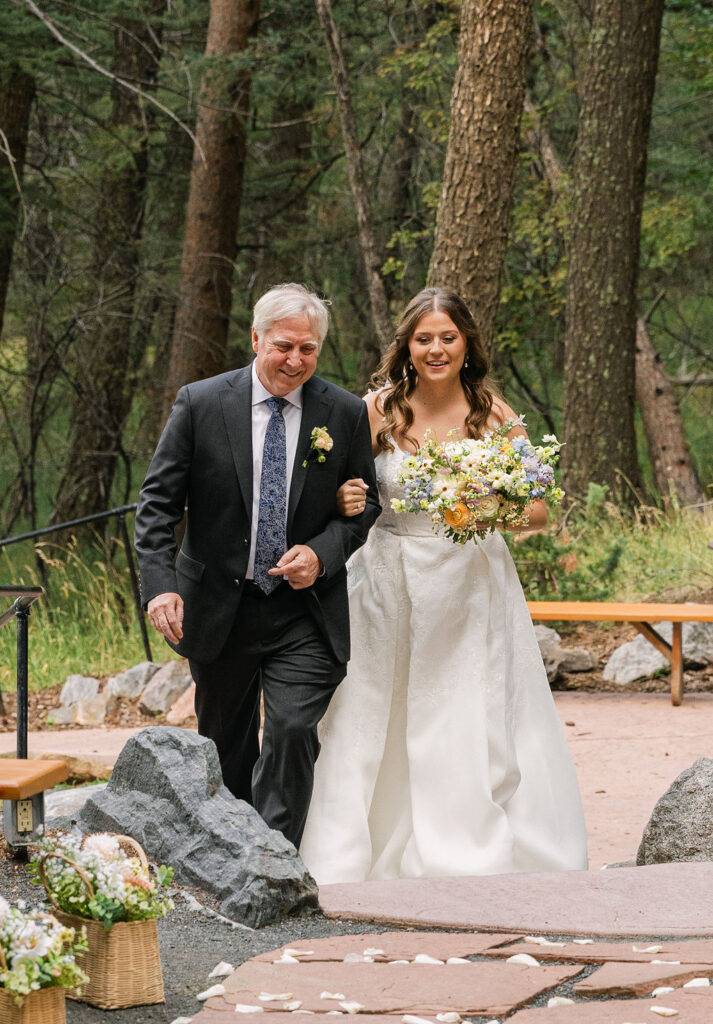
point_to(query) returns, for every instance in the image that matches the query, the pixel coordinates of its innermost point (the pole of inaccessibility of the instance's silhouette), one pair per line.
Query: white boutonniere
(320, 444)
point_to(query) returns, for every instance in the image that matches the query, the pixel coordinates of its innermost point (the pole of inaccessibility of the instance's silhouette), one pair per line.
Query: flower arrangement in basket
(91, 880)
(37, 964)
(468, 486)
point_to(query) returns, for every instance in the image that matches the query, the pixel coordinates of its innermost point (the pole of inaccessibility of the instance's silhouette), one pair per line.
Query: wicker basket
(124, 963)
(45, 1006)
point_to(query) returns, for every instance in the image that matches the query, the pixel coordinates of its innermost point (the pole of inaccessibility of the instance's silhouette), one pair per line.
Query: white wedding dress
(442, 753)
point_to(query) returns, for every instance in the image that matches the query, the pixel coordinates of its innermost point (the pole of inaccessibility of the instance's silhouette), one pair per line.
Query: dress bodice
(404, 523)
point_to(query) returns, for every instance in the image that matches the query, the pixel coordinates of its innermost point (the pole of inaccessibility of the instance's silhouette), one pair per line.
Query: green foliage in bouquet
(37, 952)
(120, 887)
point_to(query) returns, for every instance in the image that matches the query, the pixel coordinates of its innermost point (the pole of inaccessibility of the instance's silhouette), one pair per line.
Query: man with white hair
(256, 598)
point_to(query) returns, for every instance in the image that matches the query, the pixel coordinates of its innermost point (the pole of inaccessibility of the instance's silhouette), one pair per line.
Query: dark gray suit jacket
(204, 459)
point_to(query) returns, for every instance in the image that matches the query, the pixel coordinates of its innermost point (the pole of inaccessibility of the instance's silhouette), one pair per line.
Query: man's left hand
(300, 565)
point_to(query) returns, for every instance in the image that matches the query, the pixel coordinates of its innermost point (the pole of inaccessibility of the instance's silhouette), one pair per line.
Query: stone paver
(660, 900)
(639, 979)
(397, 946)
(478, 988)
(693, 1007)
(689, 951)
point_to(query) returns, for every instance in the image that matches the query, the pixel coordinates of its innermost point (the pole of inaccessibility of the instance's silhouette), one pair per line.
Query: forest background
(164, 162)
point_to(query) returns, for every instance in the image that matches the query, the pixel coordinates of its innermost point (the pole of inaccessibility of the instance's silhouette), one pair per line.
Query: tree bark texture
(379, 309)
(201, 329)
(476, 200)
(17, 90)
(616, 94)
(108, 351)
(670, 456)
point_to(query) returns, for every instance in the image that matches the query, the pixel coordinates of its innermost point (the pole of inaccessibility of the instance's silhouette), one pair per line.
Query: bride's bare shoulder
(500, 413)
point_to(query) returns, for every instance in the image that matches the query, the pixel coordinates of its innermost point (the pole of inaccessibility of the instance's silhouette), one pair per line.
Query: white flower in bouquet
(487, 507)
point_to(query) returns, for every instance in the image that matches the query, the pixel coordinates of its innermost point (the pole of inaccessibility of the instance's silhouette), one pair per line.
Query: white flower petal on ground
(286, 958)
(310, 1012)
(449, 1018)
(248, 1008)
(666, 962)
(221, 970)
(400, 962)
(424, 958)
(523, 958)
(664, 1011)
(332, 995)
(560, 1001)
(297, 952)
(648, 949)
(334, 1013)
(662, 990)
(352, 1007)
(457, 960)
(697, 983)
(182, 1020)
(371, 951)
(269, 997)
(540, 940)
(214, 990)
(358, 958)
(408, 1018)
(293, 1005)
(583, 942)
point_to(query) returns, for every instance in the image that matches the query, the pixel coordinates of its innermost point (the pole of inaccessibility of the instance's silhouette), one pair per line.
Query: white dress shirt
(292, 414)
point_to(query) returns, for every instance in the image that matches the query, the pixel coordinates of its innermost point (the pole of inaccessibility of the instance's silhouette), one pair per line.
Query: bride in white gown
(442, 753)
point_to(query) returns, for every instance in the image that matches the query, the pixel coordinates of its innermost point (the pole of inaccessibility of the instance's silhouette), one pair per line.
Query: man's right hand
(166, 614)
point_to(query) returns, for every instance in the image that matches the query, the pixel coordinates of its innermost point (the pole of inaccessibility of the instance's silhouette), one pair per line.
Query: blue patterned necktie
(271, 541)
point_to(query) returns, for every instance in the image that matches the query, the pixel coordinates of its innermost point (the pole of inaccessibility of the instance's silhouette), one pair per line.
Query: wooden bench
(22, 787)
(639, 615)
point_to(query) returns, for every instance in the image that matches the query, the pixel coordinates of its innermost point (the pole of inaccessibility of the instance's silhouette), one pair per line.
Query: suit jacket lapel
(316, 407)
(236, 403)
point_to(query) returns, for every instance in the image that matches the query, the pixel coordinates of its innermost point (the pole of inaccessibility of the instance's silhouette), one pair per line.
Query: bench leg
(676, 665)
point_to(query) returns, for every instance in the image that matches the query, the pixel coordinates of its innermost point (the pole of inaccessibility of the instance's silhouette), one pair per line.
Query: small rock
(548, 641)
(165, 687)
(78, 688)
(679, 828)
(94, 710)
(184, 708)
(635, 659)
(134, 681)
(83, 769)
(577, 659)
(61, 715)
(69, 801)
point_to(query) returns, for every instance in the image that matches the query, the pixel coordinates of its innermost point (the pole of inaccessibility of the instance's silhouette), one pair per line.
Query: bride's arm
(537, 511)
(351, 495)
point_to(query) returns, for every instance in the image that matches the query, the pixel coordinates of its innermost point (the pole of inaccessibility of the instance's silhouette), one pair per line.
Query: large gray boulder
(681, 825)
(167, 792)
(696, 640)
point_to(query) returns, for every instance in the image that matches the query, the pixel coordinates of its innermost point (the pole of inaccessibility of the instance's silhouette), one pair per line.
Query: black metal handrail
(25, 597)
(120, 514)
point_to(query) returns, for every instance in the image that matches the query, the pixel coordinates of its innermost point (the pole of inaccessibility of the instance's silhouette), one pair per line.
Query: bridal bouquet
(468, 486)
(92, 877)
(36, 951)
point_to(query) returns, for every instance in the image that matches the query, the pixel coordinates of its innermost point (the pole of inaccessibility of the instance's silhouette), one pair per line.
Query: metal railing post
(22, 613)
(135, 585)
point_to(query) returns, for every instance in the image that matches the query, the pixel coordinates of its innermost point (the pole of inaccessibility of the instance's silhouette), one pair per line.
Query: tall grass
(86, 623)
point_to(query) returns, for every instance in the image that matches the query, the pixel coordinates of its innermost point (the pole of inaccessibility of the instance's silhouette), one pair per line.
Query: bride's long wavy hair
(397, 380)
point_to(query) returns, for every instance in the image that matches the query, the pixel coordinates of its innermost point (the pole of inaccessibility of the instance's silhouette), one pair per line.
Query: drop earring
(465, 363)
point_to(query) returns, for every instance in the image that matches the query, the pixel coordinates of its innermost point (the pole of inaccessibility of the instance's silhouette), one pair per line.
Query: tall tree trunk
(476, 201)
(107, 351)
(200, 334)
(608, 185)
(379, 308)
(668, 448)
(17, 90)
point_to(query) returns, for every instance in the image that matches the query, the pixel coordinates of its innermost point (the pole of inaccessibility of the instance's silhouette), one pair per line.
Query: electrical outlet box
(24, 816)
